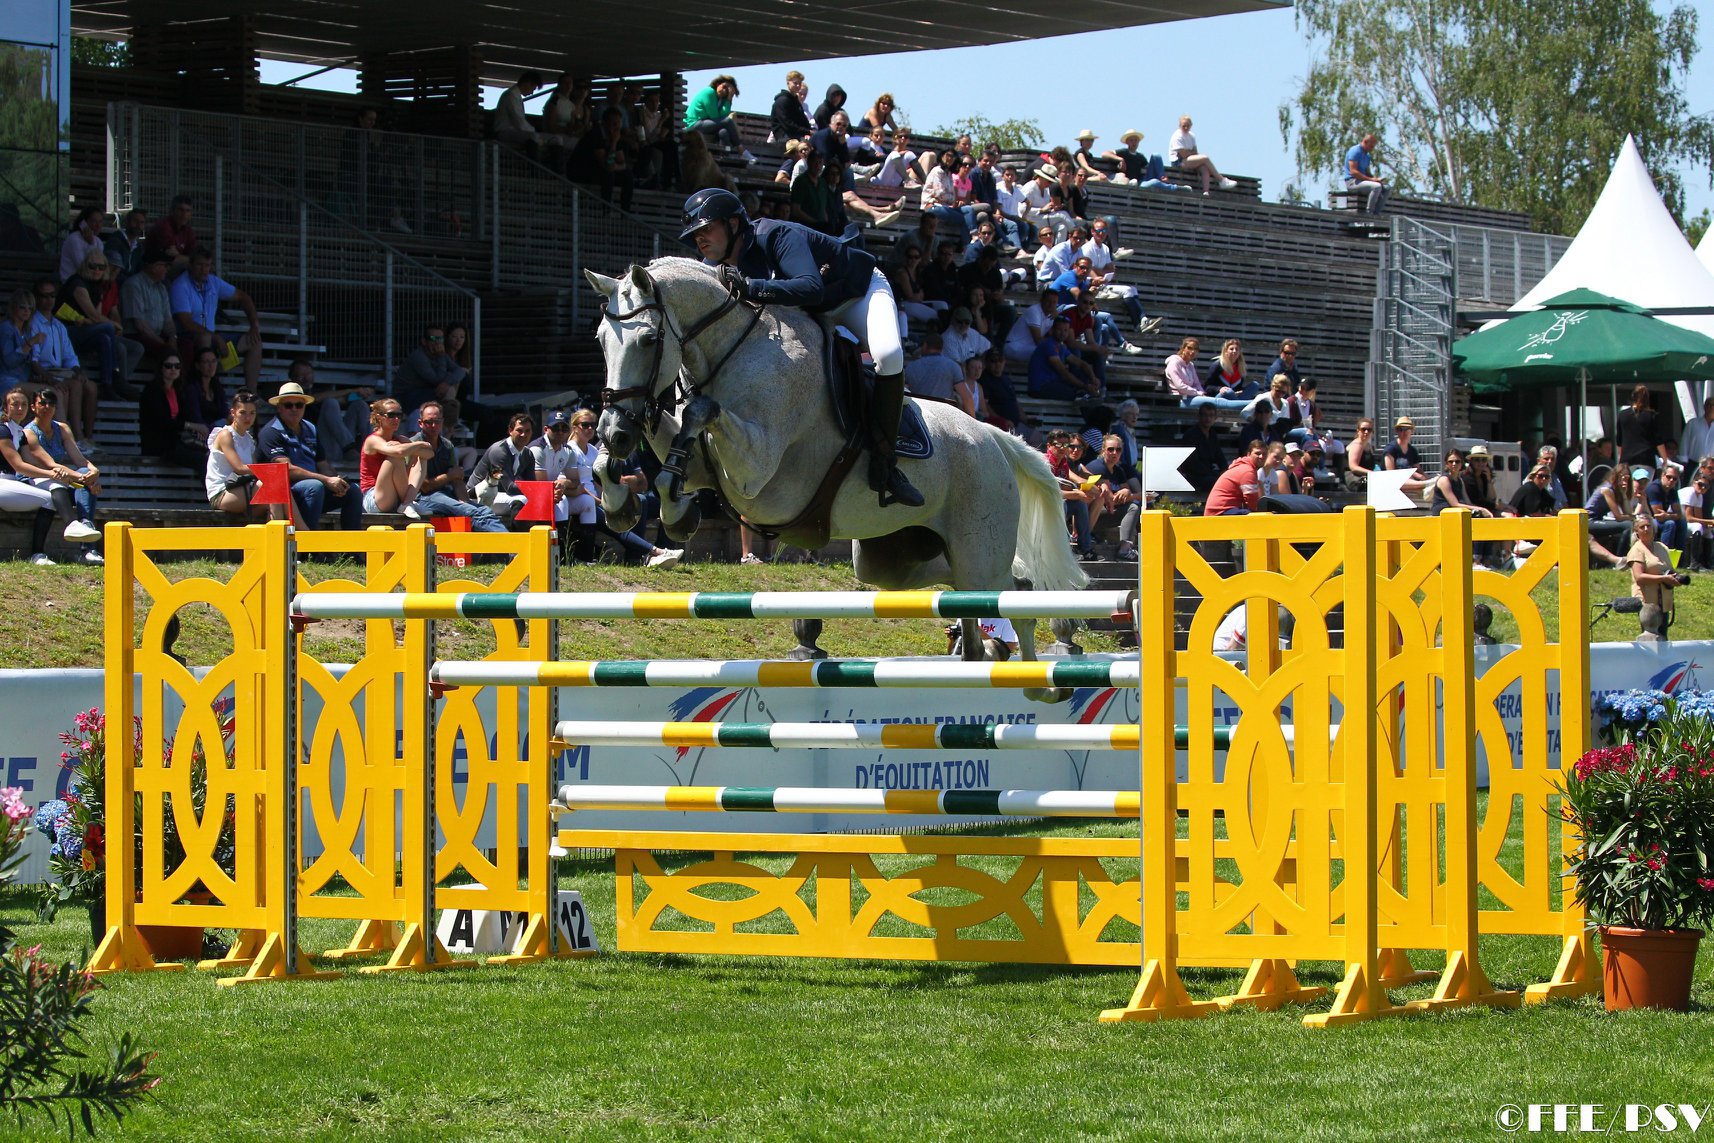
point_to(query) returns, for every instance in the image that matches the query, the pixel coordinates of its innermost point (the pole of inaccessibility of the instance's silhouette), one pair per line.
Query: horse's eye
(648, 338)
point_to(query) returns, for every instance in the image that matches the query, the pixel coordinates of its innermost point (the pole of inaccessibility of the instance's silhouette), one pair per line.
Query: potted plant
(1643, 807)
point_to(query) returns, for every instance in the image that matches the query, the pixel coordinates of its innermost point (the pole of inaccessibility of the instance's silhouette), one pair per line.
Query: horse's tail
(1043, 554)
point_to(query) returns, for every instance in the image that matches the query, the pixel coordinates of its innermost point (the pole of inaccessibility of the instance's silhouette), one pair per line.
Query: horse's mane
(671, 268)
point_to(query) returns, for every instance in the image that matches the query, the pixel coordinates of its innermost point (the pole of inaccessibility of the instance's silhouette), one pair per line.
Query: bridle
(651, 399)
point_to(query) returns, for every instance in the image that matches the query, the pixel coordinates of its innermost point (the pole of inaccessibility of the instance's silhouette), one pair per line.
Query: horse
(758, 426)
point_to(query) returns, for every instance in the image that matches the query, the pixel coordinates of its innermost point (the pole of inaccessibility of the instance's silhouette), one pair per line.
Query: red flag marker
(538, 500)
(276, 483)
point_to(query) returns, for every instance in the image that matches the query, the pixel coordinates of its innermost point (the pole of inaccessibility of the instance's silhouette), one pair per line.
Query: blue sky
(1230, 73)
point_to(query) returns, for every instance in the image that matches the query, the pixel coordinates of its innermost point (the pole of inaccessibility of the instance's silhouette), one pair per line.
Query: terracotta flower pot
(1647, 968)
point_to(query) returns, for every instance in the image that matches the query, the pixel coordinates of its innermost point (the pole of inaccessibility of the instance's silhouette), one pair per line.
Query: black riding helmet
(715, 204)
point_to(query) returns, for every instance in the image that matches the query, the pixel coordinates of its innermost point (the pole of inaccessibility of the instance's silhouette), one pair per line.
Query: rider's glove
(733, 279)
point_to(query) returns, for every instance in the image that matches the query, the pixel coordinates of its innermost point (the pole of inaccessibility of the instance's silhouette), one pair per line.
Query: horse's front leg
(680, 515)
(620, 503)
(1026, 629)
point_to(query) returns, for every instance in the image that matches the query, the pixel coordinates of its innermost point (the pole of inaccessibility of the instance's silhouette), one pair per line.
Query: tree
(1507, 103)
(1695, 227)
(1008, 135)
(100, 53)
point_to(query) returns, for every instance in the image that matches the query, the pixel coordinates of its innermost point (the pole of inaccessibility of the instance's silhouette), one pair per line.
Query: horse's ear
(604, 285)
(640, 279)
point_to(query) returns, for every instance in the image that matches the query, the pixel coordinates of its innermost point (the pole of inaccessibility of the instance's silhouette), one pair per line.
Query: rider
(774, 261)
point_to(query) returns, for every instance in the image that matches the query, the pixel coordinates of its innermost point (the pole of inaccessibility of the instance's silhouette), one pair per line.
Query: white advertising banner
(37, 705)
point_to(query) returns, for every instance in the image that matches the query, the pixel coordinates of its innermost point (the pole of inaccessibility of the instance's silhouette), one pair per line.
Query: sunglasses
(294, 405)
(583, 424)
(390, 414)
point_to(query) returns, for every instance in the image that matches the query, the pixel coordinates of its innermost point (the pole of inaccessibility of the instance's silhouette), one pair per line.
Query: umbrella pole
(1583, 426)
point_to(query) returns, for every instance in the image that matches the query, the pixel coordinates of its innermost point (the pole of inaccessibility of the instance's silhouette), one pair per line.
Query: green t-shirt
(706, 104)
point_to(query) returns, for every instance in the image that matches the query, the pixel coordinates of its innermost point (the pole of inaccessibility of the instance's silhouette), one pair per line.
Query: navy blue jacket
(784, 262)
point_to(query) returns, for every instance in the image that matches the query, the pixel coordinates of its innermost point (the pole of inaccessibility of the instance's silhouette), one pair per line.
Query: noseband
(666, 400)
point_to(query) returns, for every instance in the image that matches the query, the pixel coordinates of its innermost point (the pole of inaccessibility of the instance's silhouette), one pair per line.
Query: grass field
(663, 1047)
(659, 1047)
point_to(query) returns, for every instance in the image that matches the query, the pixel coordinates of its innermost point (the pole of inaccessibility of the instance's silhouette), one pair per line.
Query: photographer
(1652, 577)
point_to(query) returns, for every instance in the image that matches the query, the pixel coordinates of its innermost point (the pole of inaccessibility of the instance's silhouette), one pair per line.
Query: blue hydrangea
(47, 817)
(70, 842)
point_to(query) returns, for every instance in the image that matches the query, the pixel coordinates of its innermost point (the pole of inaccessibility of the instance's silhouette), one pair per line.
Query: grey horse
(757, 424)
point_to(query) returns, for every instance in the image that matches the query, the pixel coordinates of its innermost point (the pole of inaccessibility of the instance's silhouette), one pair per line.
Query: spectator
(82, 240)
(1259, 426)
(390, 467)
(227, 478)
(1305, 414)
(960, 343)
(940, 198)
(1104, 268)
(881, 114)
(163, 423)
(808, 204)
(1090, 338)
(898, 166)
(1278, 398)
(148, 308)
(1652, 576)
(933, 374)
(1451, 489)
(1363, 454)
(565, 462)
(1641, 439)
(1124, 426)
(1070, 201)
(458, 349)
(442, 491)
(1225, 377)
(984, 284)
(173, 235)
(1276, 474)
(1401, 455)
(1038, 203)
(203, 395)
(1138, 169)
(1054, 257)
(790, 116)
(512, 124)
(1182, 380)
(1032, 326)
(126, 246)
(1082, 492)
(96, 328)
(494, 479)
(21, 466)
(1662, 502)
(1610, 509)
(1360, 174)
(1207, 459)
(968, 392)
(1238, 491)
(1183, 152)
(1124, 490)
(1083, 158)
(1002, 395)
(566, 113)
(1602, 456)
(341, 415)
(1549, 456)
(1056, 371)
(939, 278)
(1286, 363)
(1532, 497)
(907, 291)
(1698, 527)
(315, 484)
(197, 295)
(73, 474)
(606, 156)
(709, 113)
(18, 341)
(657, 160)
(55, 363)
(637, 548)
(429, 374)
(1698, 438)
(835, 101)
(1010, 210)
(984, 198)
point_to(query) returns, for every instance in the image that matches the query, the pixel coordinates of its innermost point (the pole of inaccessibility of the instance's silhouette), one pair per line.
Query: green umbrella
(1578, 338)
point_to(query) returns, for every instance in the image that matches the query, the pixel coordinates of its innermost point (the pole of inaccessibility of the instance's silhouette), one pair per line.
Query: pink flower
(1656, 863)
(12, 806)
(1705, 883)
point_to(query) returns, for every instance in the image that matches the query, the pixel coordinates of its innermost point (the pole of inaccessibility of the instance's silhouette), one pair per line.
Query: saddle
(850, 384)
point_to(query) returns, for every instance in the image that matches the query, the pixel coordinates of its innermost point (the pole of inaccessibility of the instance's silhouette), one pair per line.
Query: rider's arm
(799, 276)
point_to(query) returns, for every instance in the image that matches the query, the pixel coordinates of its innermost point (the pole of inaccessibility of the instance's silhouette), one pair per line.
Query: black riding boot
(884, 412)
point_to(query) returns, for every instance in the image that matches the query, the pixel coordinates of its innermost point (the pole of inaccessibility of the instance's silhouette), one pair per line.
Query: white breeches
(874, 318)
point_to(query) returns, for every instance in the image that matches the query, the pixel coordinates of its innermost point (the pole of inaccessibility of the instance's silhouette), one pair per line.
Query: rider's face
(714, 242)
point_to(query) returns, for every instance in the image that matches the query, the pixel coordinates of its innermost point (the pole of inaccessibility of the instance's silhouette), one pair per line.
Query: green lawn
(645, 1046)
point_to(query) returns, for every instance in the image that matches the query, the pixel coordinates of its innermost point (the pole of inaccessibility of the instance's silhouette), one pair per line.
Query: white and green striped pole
(815, 800)
(874, 735)
(854, 673)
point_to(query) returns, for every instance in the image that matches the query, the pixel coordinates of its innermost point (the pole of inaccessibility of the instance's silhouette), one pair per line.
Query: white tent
(1630, 248)
(1705, 250)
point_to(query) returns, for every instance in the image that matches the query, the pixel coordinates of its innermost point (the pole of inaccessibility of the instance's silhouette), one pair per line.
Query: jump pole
(851, 673)
(816, 800)
(872, 735)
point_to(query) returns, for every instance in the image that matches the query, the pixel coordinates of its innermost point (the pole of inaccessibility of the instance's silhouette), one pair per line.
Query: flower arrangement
(76, 824)
(1644, 808)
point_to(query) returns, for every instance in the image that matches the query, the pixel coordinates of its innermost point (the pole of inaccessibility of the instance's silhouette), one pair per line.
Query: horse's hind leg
(807, 632)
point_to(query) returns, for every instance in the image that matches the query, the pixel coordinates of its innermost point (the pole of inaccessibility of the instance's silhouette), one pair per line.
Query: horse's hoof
(805, 654)
(1047, 694)
(683, 527)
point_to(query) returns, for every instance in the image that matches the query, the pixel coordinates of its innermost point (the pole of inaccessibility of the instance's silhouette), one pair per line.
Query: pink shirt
(1182, 378)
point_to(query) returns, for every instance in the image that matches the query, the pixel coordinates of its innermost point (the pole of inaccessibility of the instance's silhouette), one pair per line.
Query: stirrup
(899, 490)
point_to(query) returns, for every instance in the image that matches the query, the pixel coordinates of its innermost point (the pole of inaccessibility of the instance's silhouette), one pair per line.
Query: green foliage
(32, 167)
(1644, 810)
(100, 53)
(1008, 134)
(41, 1005)
(1500, 102)
(1696, 226)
